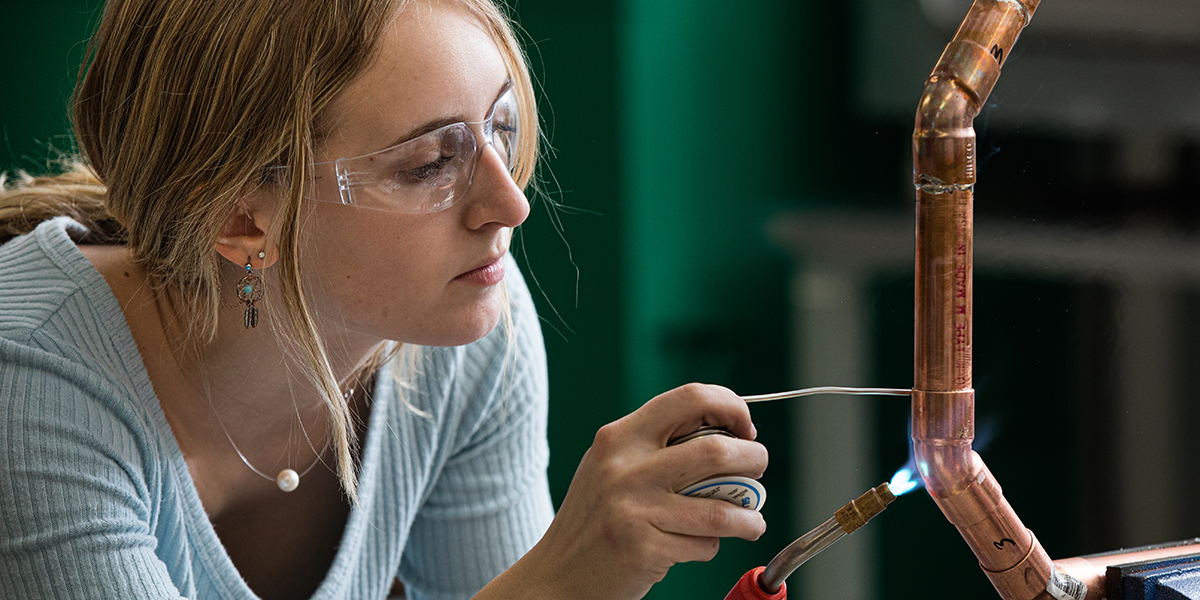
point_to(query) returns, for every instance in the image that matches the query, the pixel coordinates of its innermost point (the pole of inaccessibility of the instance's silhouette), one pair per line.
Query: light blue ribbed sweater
(96, 500)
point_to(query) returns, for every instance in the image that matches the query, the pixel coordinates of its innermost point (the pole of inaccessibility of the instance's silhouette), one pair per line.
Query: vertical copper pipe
(943, 402)
(943, 407)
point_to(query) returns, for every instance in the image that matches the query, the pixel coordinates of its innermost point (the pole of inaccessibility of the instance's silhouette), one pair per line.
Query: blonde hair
(179, 109)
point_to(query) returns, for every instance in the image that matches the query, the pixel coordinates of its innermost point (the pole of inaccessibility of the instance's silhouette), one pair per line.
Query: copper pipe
(1090, 570)
(943, 401)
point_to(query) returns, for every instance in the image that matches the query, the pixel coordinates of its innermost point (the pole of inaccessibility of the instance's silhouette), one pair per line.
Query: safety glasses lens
(429, 173)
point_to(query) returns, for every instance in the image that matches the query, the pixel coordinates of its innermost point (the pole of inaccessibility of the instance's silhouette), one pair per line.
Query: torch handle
(747, 588)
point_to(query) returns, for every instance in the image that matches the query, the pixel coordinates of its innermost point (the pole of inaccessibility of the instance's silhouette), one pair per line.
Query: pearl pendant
(288, 480)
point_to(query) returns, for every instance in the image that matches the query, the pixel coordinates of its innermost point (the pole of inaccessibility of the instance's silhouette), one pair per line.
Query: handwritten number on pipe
(1000, 544)
(998, 53)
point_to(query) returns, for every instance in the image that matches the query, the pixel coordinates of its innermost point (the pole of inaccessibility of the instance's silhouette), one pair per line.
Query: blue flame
(906, 479)
(903, 482)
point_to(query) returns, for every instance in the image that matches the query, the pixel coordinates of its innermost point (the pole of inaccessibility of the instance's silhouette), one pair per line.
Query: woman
(260, 353)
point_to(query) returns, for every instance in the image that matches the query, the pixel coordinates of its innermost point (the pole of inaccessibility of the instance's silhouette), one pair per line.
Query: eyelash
(428, 171)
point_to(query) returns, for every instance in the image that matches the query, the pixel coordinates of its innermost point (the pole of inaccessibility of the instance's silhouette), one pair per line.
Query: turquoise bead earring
(249, 291)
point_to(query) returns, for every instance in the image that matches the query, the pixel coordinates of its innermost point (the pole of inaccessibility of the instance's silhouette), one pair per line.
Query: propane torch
(767, 583)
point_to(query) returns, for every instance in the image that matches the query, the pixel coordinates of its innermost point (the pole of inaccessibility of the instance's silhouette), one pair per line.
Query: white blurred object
(1175, 21)
(1118, 69)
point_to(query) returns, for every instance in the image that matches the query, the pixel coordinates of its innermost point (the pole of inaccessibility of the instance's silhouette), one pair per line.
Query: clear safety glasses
(431, 172)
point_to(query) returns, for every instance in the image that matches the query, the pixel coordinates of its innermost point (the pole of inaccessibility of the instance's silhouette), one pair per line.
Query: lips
(488, 273)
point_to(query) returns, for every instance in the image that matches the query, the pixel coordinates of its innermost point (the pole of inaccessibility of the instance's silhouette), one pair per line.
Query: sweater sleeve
(491, 502)
(75, 515)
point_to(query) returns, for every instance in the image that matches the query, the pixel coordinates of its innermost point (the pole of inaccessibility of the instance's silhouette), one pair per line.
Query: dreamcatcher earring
(249, 291)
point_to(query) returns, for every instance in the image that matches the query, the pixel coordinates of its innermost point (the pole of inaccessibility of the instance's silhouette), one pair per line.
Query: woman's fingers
(633, 451)
(626, 459)
(673, 549)
(640, 540)
(687, 463)
(708, 517)
(685, 409)
(622, 523)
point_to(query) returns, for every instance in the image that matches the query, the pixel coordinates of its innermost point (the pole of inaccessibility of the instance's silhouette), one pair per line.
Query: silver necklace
(287, 479)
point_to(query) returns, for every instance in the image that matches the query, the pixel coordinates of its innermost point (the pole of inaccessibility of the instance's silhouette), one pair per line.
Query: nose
(493, 197)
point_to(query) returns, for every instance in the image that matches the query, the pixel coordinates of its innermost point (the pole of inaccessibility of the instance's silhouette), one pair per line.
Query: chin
(462, 329)
(473, 335)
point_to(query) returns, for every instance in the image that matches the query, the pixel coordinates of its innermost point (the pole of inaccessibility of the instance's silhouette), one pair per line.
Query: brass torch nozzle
(846, 520)
(858, 511)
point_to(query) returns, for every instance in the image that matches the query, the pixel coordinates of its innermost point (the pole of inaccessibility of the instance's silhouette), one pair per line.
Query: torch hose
(846, 520)
(797, 553)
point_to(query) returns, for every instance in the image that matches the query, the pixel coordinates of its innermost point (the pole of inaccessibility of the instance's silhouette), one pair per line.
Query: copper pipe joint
(1033, 574)
(945, 416)
(961, 484)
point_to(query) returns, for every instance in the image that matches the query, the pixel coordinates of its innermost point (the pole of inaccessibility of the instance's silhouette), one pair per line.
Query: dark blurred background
(717, 166)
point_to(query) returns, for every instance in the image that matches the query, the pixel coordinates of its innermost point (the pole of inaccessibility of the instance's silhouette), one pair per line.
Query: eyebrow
(444, 121)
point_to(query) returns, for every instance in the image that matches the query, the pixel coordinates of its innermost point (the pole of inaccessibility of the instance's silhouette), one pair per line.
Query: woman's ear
(245, 232)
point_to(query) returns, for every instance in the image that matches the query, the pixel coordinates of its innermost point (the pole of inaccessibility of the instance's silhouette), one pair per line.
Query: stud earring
(249, 291)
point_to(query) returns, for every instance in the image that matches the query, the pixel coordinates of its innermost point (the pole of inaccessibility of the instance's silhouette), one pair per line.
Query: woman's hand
(622, 524)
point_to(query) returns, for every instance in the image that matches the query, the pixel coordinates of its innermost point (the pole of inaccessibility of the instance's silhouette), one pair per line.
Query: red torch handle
(747, 588)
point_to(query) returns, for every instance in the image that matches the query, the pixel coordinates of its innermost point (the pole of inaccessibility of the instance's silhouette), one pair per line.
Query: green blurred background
(677, 130)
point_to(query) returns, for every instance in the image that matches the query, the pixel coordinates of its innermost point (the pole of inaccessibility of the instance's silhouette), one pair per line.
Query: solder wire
(852, 391)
